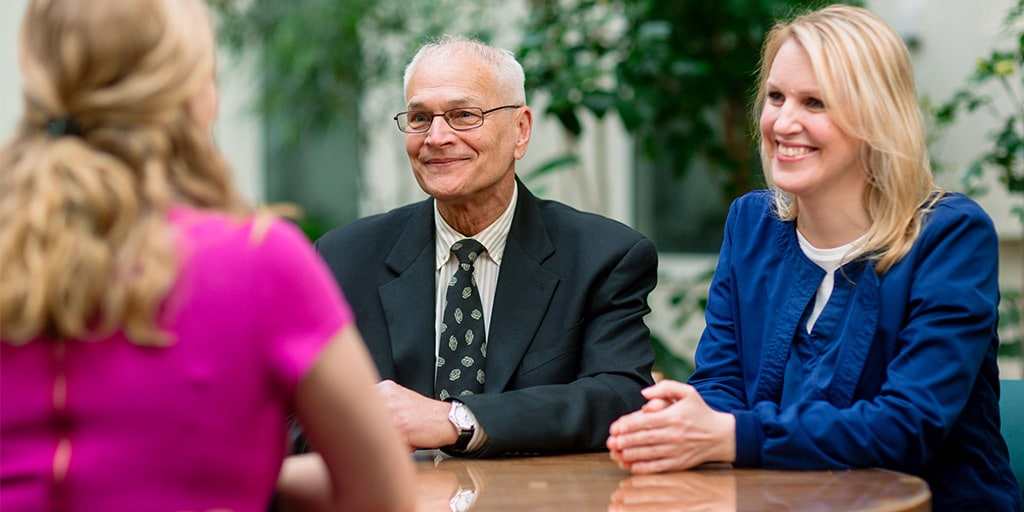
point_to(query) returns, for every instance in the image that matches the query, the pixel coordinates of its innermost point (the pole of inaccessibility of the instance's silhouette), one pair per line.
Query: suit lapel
(408, 302)
(523, 292)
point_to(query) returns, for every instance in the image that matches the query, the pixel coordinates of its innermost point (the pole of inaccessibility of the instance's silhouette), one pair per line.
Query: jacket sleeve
(567, 402)
(718, 374)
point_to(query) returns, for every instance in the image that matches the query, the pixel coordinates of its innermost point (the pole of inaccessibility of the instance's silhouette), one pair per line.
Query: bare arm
(362, 463)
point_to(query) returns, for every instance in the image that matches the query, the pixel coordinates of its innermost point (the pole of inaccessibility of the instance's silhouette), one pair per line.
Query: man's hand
(422, 421)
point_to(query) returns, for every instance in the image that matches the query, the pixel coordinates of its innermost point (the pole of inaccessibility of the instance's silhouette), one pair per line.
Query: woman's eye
(775, 97)
(815, 104)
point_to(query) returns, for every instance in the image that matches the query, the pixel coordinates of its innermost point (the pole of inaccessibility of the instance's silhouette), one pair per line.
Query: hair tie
(65, 125)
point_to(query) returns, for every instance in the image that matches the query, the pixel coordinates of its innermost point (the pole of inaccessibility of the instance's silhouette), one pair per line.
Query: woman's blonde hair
(105, 146)
(866, 80)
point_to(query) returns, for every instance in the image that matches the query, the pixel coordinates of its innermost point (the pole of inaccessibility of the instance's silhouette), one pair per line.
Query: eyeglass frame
(483, 114)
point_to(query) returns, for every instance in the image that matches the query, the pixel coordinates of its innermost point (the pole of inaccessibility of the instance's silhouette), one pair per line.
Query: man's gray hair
(508, 73)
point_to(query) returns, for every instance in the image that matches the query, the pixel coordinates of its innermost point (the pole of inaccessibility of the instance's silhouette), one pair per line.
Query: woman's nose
(787, 120)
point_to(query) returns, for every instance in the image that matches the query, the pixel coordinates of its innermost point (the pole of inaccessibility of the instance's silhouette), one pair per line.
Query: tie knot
(467, 250)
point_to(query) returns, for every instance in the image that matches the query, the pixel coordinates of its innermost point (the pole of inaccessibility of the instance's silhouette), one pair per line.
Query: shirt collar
(493, 237)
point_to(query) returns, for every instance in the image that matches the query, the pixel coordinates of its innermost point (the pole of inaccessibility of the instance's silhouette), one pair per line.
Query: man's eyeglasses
(462, 118)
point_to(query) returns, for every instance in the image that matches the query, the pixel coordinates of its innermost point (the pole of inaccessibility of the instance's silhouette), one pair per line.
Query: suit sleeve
(572, 410)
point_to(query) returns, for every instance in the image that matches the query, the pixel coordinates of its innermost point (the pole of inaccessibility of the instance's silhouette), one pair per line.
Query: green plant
(326, 73)
(1003, 70)
(998, 75)
(309, 56)
(678, 74)
(318, 58)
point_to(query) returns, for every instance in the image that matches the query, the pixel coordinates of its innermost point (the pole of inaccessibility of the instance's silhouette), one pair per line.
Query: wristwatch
(464, 422)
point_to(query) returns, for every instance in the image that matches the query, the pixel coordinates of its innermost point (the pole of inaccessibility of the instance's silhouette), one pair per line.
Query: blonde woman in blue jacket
(851, 320)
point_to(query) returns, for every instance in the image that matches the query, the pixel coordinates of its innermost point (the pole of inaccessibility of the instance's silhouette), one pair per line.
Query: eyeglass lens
(457, 118)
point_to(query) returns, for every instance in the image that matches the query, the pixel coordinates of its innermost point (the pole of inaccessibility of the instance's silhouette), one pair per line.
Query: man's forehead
(427, 101)
(452, 66)
(450, 86)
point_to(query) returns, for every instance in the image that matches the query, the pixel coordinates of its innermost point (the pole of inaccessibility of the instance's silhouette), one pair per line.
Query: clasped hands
(675, 430)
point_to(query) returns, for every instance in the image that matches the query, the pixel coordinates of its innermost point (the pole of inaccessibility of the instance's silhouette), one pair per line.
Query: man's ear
(524, 128)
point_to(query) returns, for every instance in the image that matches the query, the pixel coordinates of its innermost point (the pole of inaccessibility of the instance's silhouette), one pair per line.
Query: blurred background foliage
(318, 57)
(1000, 72)
(679, 75)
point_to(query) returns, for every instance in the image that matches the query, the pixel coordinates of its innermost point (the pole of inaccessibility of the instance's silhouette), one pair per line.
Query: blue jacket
(915, 385)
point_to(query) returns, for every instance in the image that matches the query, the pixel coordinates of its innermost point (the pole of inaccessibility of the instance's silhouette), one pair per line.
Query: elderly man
(541, 343)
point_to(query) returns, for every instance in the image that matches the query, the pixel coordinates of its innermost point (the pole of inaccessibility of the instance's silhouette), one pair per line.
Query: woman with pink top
(156, 331)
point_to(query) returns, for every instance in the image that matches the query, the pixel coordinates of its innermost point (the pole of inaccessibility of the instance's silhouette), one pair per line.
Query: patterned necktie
(463, 342)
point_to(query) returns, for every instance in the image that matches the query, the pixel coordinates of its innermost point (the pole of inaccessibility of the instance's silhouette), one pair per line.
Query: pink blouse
(199, 425)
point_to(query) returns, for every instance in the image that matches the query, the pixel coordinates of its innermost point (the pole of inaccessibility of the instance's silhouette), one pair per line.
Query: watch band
(465, 436)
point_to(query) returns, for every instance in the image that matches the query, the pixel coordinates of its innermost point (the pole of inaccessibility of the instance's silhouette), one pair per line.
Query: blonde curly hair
(85, 244)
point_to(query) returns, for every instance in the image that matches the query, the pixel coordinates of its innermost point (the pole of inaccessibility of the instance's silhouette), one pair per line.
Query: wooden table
(586, 482)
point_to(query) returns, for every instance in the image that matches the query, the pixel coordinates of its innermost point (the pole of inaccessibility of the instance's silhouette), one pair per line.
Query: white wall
(10, 99)
(237, 132)
(953, 34)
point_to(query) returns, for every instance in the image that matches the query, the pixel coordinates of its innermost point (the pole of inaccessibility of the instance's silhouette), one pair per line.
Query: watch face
(462, 416)
(464, 422)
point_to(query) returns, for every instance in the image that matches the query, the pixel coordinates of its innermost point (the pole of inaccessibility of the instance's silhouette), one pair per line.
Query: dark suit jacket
(568, 349)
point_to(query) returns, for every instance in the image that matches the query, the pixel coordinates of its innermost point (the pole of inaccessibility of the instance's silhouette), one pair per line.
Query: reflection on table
(584, 482)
